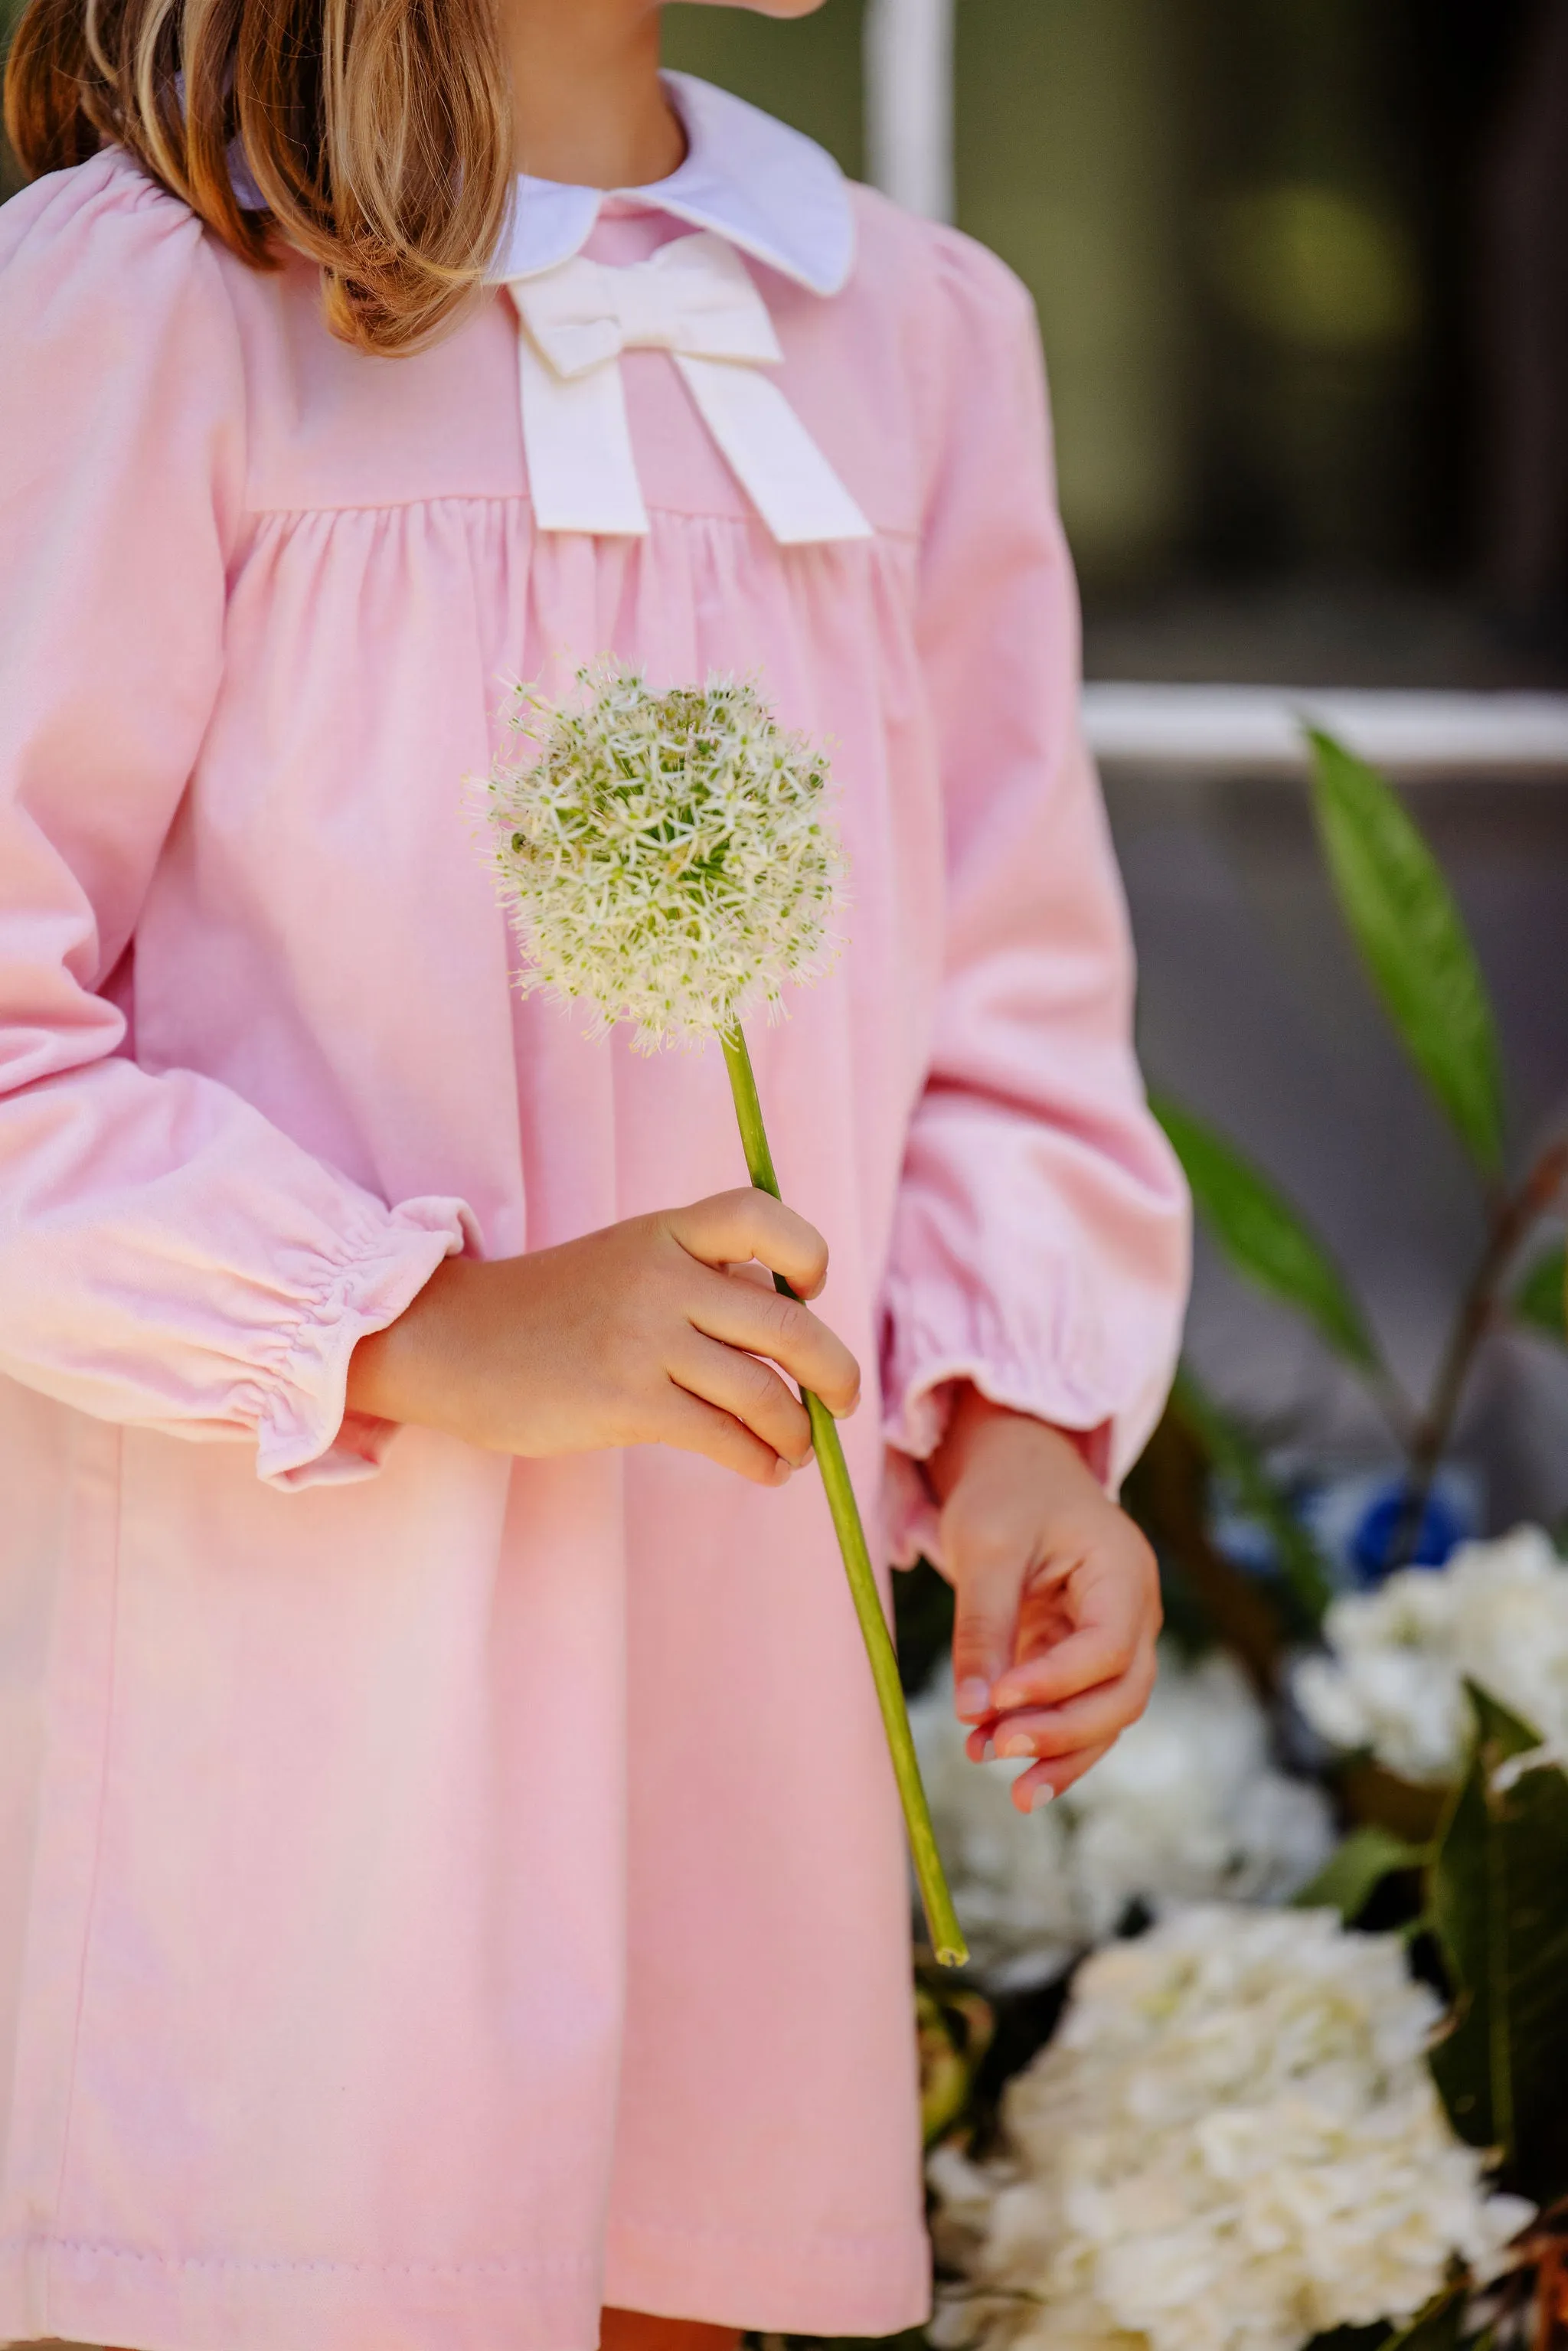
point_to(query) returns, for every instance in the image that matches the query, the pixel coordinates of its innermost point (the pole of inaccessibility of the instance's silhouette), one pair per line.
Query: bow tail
(775, 459)
(582, 473)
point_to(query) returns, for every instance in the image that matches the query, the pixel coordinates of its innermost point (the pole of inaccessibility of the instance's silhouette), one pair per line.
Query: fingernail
(1039, 1797)
(973, 1696)
(1017, 1742)
(782, 1473)
(989, 1751)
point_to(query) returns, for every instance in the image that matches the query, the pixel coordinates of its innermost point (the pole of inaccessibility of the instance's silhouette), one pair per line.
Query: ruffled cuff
(305, 1435)
(934, 1341)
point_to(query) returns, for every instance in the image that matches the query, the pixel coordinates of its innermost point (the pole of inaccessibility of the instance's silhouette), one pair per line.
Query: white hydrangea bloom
(1011, 1880)
(667, 859)
(1233, 2143)
(1393, 1681)
(1186, 1805)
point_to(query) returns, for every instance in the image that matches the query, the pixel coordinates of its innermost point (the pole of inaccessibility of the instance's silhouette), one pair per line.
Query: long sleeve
(167, 1256)
(1041, 1242)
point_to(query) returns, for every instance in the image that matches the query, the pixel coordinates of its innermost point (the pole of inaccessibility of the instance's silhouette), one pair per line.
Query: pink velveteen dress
(438, 1892)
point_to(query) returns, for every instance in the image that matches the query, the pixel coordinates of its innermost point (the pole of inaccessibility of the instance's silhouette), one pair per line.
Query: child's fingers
(1032, 1790)
(694, 1426)
(734, 1225)
(1118, 1612)
(984, 1623)
(748, 1390)
(1095, 1653)
(765, 1323)
(1097, 1716)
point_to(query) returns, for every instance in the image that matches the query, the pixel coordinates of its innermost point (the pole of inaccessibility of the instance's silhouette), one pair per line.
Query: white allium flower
(1233, 2143)
(1392, 1682)
(666, 858)
(1186, 1805)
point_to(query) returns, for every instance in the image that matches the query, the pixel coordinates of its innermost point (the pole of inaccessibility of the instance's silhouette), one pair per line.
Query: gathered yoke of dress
(441, 1894)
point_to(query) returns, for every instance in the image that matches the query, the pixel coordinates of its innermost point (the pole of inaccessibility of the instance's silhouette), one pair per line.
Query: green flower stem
(941, 1919)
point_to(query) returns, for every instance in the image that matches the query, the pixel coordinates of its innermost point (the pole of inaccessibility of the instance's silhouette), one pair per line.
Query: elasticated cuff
(934, 1342)
(305, 1435)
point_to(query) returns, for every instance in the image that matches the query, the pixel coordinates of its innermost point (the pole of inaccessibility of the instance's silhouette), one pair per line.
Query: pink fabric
(436, 1893)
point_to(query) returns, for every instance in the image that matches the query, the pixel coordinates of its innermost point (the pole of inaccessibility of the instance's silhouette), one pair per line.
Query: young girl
(450, 1875)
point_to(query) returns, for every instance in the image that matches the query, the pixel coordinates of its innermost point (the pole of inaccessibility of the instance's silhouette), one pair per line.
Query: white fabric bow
(696, 299)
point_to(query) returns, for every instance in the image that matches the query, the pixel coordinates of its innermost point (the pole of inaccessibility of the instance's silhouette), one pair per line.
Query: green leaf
(1351, 2338)
(914, 2338)
(1499, 1901)
(1350, 1877)
(1436, 2328)
(1541, 1300)
(1263, 1236)
(1235, 1457)
(1403, 918)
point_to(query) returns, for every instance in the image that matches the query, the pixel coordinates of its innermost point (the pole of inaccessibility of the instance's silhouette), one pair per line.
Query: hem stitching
(508, 2265)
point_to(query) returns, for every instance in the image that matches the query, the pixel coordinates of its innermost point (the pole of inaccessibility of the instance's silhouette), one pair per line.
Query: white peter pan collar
(768, 190)
(749, 187)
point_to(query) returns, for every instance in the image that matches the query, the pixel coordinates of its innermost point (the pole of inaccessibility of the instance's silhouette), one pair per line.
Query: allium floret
(667, 859)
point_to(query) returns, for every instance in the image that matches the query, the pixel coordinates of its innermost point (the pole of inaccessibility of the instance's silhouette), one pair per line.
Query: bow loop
(694, 295)
(696, 299)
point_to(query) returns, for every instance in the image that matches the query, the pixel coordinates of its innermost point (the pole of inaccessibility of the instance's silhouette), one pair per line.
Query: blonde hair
(377, 133)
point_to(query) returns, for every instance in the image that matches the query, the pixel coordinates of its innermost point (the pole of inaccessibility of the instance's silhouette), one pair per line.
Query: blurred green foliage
(1406, 925)
(1353, 1874)
(1541, 1300)
(808, 72)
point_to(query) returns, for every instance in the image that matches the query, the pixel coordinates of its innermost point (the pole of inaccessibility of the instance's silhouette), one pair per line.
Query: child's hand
(646, 1334)
(1059, 1603)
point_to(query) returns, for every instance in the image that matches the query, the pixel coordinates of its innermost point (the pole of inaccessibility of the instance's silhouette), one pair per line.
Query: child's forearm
(395, 1373)
(980, 1433)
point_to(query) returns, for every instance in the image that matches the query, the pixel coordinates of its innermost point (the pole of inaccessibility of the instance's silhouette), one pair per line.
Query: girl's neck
(588, 102)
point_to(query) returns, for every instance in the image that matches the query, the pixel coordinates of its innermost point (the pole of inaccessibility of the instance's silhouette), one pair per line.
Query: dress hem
(868, 2284)
(90, 2293)
(103, 2293)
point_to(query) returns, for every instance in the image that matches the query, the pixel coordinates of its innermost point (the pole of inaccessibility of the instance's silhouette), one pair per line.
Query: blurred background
(1302, 269)
(1259, 232)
